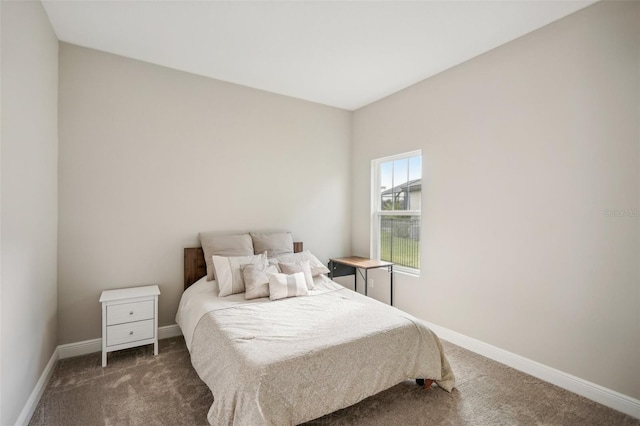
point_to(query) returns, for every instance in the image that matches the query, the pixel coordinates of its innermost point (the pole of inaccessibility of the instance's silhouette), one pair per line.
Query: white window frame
(377, 212)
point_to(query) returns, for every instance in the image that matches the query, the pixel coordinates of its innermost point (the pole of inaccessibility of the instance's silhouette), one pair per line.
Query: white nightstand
(129, 318)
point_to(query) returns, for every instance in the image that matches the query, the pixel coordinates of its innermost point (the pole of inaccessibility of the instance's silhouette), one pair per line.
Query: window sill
(406, 271)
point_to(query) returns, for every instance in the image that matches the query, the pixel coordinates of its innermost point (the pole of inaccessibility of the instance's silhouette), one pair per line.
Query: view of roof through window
(401, 184)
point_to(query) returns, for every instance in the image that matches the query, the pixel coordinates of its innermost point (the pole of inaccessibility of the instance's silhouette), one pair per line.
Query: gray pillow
(274, 244)
(223, 245)
(317, 267)
(302, 266)
(256, 280)
(229, 272)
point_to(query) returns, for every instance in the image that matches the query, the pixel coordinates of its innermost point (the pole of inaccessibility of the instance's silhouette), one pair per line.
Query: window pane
(386, 185)
(400, 240)
(414, 186)
(387, 202)
(415, 167)
(400, 177)
(400, 184)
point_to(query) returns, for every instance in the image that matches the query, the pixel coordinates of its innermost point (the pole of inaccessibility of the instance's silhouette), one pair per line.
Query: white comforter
(202, 297)
(293, 360)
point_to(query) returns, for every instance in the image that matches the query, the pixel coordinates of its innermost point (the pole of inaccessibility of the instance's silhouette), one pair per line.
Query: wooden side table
(129, 319)
(364, 263)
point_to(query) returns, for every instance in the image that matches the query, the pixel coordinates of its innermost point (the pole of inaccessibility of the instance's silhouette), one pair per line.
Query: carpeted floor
(139, 389)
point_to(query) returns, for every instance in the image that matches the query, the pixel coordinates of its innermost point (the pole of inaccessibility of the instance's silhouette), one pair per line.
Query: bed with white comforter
(289, 361)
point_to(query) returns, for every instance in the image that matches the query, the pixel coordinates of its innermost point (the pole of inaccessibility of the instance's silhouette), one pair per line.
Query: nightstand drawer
(130, 332)
(129, 312)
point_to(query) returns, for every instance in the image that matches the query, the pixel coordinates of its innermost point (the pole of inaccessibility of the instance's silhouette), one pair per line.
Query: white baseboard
(592, 391)
(95, 345)
(80, 348)
(169, 331)
(70, 350)
(30, 407)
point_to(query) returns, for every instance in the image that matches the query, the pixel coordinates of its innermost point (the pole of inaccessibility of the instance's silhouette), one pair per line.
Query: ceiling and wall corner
(345, 54)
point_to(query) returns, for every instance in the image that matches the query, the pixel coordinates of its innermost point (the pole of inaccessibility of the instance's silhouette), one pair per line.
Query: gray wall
(524, 149)
(150, 156)
(29, 168)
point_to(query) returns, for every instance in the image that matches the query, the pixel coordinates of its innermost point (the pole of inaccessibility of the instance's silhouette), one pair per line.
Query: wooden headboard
(196, 268)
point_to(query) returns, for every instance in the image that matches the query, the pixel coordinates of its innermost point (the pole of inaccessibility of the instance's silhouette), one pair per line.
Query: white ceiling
(340, 53)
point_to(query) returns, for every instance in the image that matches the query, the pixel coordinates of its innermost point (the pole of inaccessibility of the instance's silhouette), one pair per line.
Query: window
(396, 201)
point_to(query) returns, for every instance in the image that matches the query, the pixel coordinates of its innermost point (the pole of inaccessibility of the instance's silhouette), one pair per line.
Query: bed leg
(425, 383)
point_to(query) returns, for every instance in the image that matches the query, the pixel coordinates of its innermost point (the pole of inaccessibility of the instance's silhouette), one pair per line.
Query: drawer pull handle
(130, 312)
(131, 333)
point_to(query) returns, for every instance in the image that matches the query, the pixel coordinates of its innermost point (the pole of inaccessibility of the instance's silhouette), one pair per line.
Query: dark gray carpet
(139, 389)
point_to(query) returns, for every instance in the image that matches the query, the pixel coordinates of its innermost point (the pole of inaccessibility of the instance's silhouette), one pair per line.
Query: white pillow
(256, 280)
(317, 267)
(295, 267)
(229, 272)
(282, 286)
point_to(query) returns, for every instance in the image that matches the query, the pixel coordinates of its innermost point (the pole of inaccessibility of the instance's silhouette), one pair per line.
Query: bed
(289, 361)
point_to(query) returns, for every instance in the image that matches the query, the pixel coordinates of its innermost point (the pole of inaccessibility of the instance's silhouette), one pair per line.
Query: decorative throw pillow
(274, 244)
(256, 280)
(282, 286)
(223, 245)
(303, 266)
(275, 263)
(317, 267)
(229, 272)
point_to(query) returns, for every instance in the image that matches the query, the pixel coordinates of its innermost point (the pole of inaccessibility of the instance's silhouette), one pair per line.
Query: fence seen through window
(400, 240)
